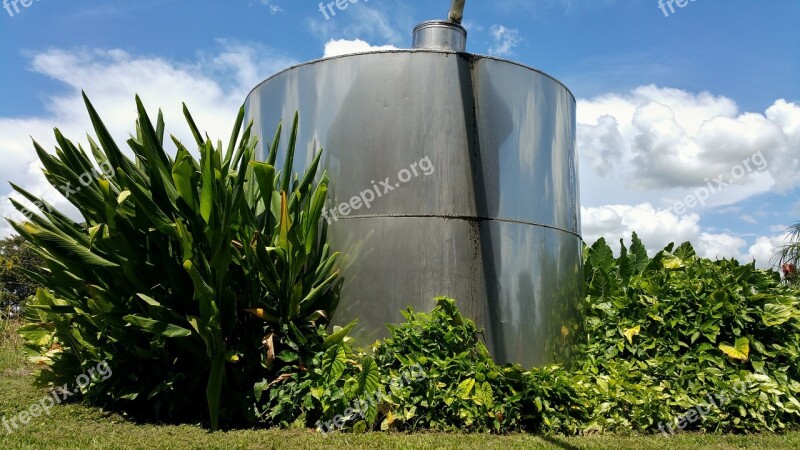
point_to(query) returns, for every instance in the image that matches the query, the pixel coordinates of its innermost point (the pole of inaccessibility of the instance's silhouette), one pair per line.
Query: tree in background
(788, 257)
(15, 258)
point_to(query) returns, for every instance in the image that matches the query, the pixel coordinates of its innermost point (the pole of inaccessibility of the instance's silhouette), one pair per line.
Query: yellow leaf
(564, 331)
(261, 313)
(388, 422)
(740, 350)
(631, 332)
(672, 262)
(269, 344)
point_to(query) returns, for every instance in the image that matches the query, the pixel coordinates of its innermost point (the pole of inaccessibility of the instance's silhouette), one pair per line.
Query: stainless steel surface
(440, 35)
(495, 225)
(457, 11)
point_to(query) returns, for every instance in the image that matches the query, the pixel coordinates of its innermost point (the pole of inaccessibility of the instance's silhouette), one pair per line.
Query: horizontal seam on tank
(459, 217)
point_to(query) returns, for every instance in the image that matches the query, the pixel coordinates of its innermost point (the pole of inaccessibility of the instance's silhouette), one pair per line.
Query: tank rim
(351, 55)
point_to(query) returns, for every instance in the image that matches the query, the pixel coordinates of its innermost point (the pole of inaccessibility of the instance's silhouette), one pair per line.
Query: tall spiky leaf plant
(171, 254)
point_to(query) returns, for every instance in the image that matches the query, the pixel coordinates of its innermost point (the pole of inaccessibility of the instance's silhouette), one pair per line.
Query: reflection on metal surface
(496, 226)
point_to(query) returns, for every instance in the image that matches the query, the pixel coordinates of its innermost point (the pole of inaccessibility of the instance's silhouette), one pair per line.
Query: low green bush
(664, 333)
(672, 342)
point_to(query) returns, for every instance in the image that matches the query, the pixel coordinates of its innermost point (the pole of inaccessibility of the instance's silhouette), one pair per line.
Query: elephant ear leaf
(333, 364)
(740, 349)
(369, 379)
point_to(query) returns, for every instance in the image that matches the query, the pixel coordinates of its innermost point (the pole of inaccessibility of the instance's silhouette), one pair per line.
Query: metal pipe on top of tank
(457, 11)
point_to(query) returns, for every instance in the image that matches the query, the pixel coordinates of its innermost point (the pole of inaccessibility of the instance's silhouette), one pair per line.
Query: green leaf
(333, 364)
(62, 244)
(265, 177)
(369, 379)
(685, 252)
(338, 334)
(183, 174)
(214, 388)
(207, 191)
(777, 314)
(639, 252)
(148, 207)
(203, 293)
(157, 327)
(287, 168)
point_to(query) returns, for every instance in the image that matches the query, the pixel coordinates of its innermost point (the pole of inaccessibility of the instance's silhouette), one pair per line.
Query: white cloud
(602, 144)
(661, 144)
(472, 26)
(213, 87)
(764, 249)
(749, 219)
(336, 47)
(778, 228)
(503, 40)
(656, 228)
(271, 6)
(715, 246)
(659, 227)
(382, 23)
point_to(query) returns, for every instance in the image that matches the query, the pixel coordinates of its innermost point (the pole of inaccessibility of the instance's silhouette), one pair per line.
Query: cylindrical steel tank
(459, 174)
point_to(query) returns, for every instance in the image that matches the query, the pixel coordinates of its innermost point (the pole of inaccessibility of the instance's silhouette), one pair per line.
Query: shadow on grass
(558, 442)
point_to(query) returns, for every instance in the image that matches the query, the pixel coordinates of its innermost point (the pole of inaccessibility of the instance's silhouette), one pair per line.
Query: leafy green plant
(463, 388)
(663, 333)
(316, 379)
(182, 272)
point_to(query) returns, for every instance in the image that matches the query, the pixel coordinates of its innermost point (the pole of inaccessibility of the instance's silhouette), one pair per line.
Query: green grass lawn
(77, 426)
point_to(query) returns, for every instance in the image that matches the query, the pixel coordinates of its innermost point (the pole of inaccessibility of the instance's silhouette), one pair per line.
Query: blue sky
(663, 102)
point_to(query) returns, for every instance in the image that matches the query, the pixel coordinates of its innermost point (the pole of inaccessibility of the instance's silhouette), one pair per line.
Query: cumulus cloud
(213, 85)
(503, 40)
(655, 227)
(675, 139)
(336, 47)
(659, 227)
(765, 247)
(601, 144)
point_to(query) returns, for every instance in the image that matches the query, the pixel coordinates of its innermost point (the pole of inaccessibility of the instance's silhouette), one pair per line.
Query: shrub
(184, 273)
(664, 333)
(463, 388)
(663, 336)
(16, 259)
(433, 373)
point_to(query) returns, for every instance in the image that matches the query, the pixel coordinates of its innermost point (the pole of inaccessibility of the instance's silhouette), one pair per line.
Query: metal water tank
(451, 174)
